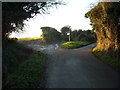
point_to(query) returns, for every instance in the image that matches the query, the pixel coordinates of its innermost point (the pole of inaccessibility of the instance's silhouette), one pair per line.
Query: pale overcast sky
(71, 14)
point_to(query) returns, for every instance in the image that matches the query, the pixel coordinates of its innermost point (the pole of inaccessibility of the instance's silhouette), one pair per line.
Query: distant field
(30, 38)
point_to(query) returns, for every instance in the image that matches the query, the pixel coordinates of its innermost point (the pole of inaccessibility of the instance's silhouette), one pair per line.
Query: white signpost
(68, 35)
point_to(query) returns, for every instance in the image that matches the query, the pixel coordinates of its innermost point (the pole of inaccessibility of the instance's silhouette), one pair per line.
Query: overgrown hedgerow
(29, 73)
(22, 67)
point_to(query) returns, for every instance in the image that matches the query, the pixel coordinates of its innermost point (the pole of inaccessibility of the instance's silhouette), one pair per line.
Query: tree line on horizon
(51, 35)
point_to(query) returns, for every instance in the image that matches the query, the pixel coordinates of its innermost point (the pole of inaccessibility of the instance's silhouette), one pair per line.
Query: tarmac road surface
(77, 68)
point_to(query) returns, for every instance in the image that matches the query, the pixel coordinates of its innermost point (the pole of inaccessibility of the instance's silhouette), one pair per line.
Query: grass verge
(74, 44)
(113, 62)
(29, 73)
(13, 54)
(22, 66)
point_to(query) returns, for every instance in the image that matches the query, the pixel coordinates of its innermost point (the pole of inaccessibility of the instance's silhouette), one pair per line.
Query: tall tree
(105, 19)
(64, 31)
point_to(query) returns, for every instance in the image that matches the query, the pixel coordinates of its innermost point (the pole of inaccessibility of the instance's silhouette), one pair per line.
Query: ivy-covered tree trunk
(105, 18)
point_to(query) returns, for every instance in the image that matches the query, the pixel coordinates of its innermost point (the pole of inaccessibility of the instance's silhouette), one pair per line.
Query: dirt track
(76, 68)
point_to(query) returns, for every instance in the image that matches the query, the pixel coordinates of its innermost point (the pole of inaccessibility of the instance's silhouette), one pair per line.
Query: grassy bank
(22, 67)
(13, 54)
(113, 62)
(73, 44)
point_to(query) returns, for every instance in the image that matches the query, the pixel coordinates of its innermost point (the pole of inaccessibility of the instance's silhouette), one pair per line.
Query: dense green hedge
(50, 35)
(29, 73)
(13, 53)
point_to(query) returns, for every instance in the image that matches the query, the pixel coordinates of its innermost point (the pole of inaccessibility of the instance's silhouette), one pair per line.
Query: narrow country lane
(77, 68)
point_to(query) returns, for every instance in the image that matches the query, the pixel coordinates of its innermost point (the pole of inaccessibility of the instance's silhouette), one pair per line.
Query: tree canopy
(105, 18)
(14, 13)
(64, 31)
(80, 35)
